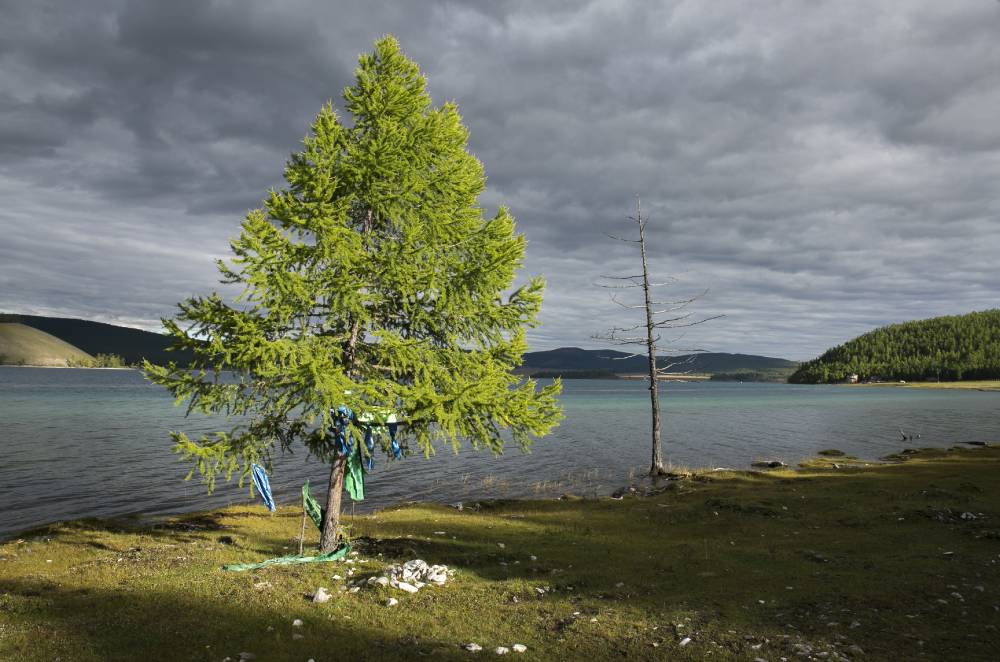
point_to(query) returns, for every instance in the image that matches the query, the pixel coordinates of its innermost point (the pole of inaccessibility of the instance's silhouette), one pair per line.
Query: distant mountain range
(571, 359)
(133, 345)
(94, 338)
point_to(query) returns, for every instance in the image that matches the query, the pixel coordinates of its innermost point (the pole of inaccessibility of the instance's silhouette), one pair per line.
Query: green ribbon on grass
(295, 559)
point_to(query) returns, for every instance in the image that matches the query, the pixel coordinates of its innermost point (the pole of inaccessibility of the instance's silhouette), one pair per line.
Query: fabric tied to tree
(354, 475)
(313, 510)
(342, 433)
(397, 451)
(263, 485)
(369, 459)
(361, 461)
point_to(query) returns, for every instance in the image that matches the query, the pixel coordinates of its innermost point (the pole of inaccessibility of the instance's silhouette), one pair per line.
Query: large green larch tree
(373, 282)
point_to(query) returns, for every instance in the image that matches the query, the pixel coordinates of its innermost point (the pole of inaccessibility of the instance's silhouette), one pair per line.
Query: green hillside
(24, 345)
(132, 345)
(942, 348)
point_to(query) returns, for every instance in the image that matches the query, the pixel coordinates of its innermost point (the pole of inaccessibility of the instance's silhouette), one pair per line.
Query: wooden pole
(302, 532)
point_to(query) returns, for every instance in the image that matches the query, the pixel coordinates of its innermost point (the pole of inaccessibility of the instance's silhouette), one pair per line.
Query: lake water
(82, 443)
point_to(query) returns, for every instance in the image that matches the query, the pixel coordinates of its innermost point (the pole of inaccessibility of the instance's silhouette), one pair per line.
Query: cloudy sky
(820, 167)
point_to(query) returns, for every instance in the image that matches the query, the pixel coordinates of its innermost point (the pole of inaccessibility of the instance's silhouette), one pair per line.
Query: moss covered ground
(895, 561)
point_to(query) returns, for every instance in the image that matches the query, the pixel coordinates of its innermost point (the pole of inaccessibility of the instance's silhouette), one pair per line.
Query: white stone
(519, 648)
(533, 557)
(297, 623)
(501, 545)
(685, 641)
(321, 596)
(296, 636)
(501, 650)
(391, 602)
(409, 588)
(472, 647)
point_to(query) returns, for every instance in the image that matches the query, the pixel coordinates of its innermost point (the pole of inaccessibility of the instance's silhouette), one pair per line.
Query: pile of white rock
(412, 576)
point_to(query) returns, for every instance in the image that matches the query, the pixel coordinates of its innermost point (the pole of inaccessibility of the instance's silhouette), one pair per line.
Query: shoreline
(880, 562)
(985, 385)
(756, 466)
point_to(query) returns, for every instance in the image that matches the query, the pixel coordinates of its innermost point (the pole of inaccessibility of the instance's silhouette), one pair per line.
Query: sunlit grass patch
(860, 562)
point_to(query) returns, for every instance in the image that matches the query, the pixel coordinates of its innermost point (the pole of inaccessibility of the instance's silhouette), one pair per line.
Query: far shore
(670, 377)
(976, 384)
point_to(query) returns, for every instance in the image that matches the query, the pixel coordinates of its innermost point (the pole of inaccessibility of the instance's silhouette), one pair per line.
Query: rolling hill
(24, 345)
(948, 348)
(135, 344)
(94, 338)
(570, 359)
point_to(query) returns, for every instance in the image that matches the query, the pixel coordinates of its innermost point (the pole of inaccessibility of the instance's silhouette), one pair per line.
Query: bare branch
(619, 287)
(626, 305)
(688, 324)
(626, 357)
(631, 241)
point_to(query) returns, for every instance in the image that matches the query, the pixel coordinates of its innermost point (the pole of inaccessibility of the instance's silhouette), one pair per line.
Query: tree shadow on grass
(864, 545)
(127, 625)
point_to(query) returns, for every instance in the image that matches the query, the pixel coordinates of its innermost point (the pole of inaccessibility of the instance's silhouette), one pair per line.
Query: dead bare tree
(659, 315)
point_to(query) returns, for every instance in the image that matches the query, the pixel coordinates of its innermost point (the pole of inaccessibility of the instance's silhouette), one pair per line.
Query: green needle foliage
(372, 281)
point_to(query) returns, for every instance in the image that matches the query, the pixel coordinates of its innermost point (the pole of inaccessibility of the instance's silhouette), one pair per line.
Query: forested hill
(942, 348)
(94, 338)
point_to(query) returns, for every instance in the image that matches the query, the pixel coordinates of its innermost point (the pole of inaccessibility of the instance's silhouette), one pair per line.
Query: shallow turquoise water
(81, 443)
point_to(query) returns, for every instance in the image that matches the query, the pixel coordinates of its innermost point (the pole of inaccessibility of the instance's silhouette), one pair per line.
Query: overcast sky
(821, 168)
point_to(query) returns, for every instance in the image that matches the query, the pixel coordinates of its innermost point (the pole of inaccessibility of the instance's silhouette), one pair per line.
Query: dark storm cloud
(820, 168)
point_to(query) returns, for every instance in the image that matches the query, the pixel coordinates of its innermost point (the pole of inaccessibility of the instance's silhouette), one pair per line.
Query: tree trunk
(331, 520)
(656, 463)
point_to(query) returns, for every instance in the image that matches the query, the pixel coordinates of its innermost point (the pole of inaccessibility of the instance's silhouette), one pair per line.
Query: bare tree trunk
(331, 520)
(670, 315)
(656, 464)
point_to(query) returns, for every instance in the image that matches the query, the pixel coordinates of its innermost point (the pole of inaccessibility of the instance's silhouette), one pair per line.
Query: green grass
(747, 564)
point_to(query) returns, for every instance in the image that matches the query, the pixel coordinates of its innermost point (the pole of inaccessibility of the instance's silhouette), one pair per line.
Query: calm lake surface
(84, 443)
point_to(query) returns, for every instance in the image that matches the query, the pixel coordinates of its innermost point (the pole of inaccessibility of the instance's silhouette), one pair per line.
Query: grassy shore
(882, 562)
(973, 384)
